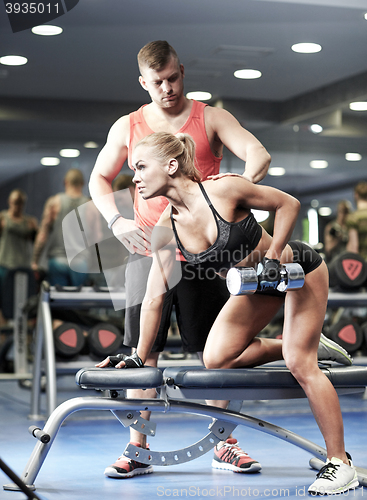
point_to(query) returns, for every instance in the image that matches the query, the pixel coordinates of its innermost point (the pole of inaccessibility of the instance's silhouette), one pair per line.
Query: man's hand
(135, 239)
(226, 174)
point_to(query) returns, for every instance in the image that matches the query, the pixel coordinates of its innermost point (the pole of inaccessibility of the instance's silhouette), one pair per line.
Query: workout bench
(177, 387)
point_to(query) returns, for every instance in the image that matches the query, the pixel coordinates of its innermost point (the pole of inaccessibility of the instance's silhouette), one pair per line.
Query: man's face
(165, 86)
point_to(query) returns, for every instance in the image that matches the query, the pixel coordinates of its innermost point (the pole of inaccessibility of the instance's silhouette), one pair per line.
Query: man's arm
(50, 211)
(353, 241)
(108, 165)
(240, 142)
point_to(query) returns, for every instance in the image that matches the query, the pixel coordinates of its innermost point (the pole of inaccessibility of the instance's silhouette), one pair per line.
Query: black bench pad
(115, 378)
(198, 377)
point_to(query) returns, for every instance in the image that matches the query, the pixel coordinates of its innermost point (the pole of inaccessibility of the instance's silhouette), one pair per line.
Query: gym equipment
(104, 339)
(44, 349)
(19, 284)
(347, 333)
(245, 280)
(348, 271)
(178, 388)
(69, 340)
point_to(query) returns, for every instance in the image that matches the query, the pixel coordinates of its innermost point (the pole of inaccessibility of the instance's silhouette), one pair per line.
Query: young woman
(213, 226)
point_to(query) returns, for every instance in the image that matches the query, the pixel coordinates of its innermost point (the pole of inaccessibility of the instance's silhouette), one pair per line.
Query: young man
(197, 300)
(50, 232)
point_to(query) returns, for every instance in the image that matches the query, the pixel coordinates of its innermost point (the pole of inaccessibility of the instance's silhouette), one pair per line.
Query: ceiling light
(70, 153)
(13, 60)
(247, 74)
(91, 145)
(316, 128)
(50, 161)
(276, 171)
(199, 96)
(325, 211)
(319, 164)
(365, 16)
(306, 48)
(358, 106)
(47, 30)
(260, 215)
(353, 157)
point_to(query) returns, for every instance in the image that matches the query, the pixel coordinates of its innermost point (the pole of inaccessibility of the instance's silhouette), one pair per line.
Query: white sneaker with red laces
(229, 456)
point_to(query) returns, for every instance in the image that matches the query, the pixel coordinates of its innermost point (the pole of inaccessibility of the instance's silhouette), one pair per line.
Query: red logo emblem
(352, 268)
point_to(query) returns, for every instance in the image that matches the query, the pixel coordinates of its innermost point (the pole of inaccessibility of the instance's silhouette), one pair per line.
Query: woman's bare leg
(303, 321)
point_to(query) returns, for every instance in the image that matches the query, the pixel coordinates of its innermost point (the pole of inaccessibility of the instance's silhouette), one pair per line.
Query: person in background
(336, 232)
(50, 232)
(17, 233)
(357, 222)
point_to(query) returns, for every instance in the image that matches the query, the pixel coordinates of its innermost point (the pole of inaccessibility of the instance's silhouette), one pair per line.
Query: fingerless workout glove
(269, 275)
(132, 361)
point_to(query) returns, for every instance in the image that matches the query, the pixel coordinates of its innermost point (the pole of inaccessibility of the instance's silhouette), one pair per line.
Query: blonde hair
(180, 146)
(156, 55)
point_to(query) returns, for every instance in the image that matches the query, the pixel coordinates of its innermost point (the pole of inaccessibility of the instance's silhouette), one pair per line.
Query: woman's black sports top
(234, 242)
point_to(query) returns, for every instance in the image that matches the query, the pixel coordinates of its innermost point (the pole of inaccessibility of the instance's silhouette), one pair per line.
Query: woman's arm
(163, 275)
(285, 206)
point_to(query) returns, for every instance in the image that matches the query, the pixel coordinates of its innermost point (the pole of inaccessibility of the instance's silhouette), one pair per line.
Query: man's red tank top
(147, 212)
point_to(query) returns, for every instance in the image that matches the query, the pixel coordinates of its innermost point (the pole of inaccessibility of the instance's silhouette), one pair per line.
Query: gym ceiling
(76, 84)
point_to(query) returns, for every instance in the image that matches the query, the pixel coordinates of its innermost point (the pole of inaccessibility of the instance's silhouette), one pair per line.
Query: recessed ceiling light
(199, 95)
(353, 157)
(13, 60)
(247, 74)
(319, 164)
(50, 161)
(277, 171)
(260, 215)
(325, 211)
(70, 153)
(47, 30)
(306, 48)
(91, 145)
(316, 128)
(358, 106)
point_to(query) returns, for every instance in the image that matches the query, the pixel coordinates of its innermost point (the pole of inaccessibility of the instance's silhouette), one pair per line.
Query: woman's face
(151, 174)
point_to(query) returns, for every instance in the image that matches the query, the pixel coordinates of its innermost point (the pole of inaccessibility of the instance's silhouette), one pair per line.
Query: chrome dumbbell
(245, 281)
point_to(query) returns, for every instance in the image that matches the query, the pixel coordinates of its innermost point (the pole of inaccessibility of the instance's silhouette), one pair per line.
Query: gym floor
(90, 440)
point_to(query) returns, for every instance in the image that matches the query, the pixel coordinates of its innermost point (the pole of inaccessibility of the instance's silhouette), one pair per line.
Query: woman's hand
(122, 361)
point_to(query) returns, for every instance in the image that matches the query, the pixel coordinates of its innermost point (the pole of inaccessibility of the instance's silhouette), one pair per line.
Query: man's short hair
(361, 190)
(74, 177)
(156, 55)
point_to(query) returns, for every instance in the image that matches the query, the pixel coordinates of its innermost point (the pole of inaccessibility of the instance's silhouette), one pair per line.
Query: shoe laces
(328, 471)
(233, 450)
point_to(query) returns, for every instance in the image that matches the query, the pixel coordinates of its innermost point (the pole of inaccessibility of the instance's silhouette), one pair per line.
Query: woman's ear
(172, 166)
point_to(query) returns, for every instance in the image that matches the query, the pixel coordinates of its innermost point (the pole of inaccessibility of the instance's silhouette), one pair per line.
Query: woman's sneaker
(124, 467)
(335, 477)
(331, 351)
(228, 455)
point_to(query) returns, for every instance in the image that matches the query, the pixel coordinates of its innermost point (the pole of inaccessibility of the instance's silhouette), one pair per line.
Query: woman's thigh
(239, 321)
(304, 315)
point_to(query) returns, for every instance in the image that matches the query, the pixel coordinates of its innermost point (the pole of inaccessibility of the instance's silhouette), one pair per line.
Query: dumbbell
(104, 339)
(245, 280)
(348, 271)
(347, 333)
(69, 340)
